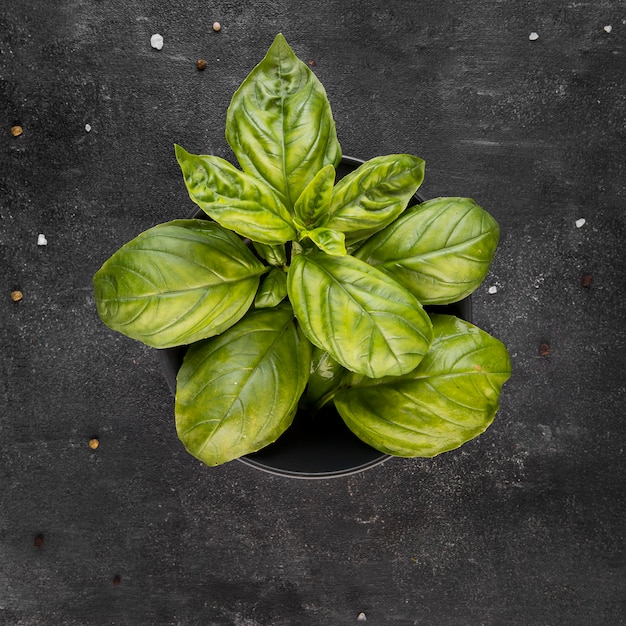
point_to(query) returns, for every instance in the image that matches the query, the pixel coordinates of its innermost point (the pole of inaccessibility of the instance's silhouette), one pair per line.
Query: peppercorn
(217, 27)
(200, 64)
(586, 280)
(544, 349)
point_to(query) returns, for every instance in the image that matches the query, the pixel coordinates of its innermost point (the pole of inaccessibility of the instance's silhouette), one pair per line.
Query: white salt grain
(41, 240)
(581, 222)
(493, 289)
(533, 36)
(608, 29)
(156, 41)
(88, 127)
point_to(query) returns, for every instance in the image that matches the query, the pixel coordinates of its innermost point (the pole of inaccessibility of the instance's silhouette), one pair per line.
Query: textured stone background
(523, 526)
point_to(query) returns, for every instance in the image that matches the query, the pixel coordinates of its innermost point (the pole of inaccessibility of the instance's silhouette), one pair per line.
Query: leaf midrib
(425, 257)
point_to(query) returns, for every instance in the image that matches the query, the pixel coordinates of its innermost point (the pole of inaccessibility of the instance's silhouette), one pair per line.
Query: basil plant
(296, 290)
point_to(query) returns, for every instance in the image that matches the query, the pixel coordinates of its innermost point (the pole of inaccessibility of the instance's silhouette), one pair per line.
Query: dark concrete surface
(523, 526)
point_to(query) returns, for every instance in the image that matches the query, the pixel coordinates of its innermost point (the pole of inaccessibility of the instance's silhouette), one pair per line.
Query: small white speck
(533, 36)
(156, 41)
(581, 222)
(88, 127)
(41, 240)
(362, 617)
(493, 289)
(608, 28)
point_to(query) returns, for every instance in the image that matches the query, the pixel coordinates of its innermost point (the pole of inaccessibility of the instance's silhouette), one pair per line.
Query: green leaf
(275, 255)
(177, 283)
(361, 317)
(373, 195)
(238, 392)
(273, 289)
(440, 250)
(450, 398)
(280, 125)
(234, 199)
(327, 240)
(314, 202)
(325, 379)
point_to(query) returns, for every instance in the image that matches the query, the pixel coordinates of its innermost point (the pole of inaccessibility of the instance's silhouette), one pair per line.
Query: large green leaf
(280, 125)
(361, 317)
(440, 250)
(450, 398)
(234, 199)
(373, 195)
(238, 392)
(177, 283)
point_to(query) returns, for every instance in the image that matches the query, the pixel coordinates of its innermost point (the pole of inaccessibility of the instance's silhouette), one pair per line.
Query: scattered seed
(201, 64)
(312, 63)
(38, 541)
(117, 580)
(533, 36)
(581, 222)
(16, 295)
(41, 240)
(493, 289)
(16, 131)
(88, 127)
(94, 442)
(545, 349)
(586, 280)
(156, 41)
(361, 617)
(608, 28)
(217, 27)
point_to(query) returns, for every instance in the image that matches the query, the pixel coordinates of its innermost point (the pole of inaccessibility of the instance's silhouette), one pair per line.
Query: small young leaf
(451, 397)
(275, 255)
(177, 283)
(446, 255)
(273, 289)
(314, 202)
(374, 194)
(327, 240)
(235, 199)
(280, 125)
(361, 317)
(238, 392)
(325, 379)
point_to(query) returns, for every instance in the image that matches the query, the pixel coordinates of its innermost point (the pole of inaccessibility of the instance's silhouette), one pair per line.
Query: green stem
(324, 400)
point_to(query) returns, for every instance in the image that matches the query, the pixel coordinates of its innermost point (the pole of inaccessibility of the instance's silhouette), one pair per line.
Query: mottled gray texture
(523, 526)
